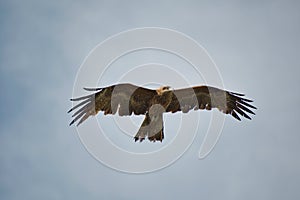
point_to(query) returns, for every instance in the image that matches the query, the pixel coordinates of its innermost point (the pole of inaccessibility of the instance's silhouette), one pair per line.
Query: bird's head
(162, 89)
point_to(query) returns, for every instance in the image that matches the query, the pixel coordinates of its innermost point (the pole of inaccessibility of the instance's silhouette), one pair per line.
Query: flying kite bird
(127, 99)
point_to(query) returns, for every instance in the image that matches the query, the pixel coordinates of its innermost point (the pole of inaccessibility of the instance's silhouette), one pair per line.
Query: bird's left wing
(205, 97)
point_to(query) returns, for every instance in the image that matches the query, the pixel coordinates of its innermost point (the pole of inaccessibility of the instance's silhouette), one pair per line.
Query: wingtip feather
(233, 113)
(238, 94)
(92, 89)
(72, 122)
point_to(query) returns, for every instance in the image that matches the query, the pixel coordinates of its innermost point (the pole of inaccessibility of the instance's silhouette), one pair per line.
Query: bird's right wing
(125, 98)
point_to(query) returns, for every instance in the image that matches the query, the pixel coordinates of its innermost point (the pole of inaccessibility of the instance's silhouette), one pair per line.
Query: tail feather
(152, 128)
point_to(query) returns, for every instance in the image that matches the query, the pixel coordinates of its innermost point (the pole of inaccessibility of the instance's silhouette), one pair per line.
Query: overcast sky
(255, 45)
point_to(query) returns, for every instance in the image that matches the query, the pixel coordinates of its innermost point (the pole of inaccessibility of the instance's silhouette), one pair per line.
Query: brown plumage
(127, 99)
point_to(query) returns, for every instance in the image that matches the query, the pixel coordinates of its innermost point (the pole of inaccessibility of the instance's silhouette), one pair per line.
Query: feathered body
(127, 99)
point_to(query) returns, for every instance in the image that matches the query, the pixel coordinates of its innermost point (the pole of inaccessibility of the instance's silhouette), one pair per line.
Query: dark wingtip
(235, 115)
(238, 94)
(251, 106)
(92, 89)
(246, 116)
(248, 100)
(72, 122)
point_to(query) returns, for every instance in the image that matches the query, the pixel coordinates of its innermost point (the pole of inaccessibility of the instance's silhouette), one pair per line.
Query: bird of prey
(127, 99)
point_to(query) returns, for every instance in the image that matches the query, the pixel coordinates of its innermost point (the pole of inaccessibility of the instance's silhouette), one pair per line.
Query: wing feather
(80, 104)
(125, 98)
(205, 97)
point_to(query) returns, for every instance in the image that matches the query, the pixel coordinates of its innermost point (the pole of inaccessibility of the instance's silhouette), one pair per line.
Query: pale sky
(255, 45)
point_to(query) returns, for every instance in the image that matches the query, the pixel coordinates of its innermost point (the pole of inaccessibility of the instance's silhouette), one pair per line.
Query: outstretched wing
(124, 98)
(204, 97)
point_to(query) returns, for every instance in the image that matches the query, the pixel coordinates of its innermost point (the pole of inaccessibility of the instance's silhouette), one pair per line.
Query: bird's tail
(152, 127)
